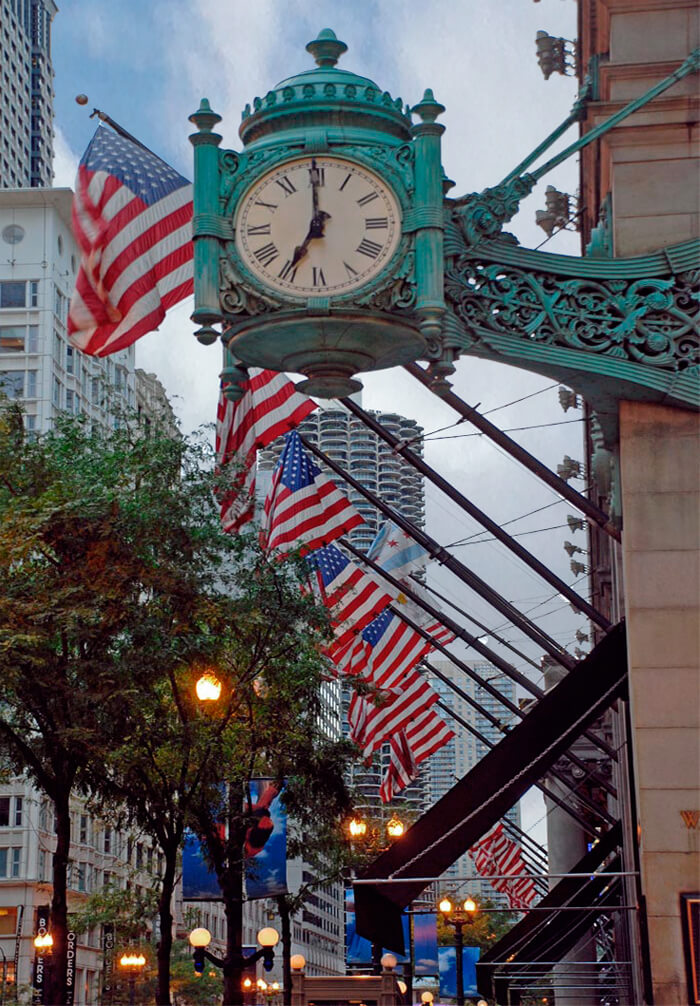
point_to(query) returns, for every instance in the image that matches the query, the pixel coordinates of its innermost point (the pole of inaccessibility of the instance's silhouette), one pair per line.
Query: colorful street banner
(425, 945)
(447, 959)
(359, 950)
(199, 882)
(266, 842)
(265, 851)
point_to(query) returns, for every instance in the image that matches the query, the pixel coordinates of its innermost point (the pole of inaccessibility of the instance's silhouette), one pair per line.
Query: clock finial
(327, 48)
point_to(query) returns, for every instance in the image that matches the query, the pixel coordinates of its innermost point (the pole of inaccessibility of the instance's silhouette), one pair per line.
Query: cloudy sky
(148, 64)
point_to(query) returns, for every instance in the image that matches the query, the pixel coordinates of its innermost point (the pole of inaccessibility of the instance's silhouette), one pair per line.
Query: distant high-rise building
(26, 93)
(461, 754)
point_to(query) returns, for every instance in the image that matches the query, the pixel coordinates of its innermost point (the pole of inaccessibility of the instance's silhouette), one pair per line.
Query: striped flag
(404, 700)
(268, 408)
(132, 218)
(304, 509)
(425, 735)
(496, 853)
(352, 597)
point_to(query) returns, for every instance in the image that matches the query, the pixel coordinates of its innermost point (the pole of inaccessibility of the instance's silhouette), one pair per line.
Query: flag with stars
(270, 406)
(352, 597)
(132, 218)
(304, 509)
(396, 552)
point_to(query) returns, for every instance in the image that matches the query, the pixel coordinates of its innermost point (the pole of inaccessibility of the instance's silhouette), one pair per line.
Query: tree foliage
(118, 589)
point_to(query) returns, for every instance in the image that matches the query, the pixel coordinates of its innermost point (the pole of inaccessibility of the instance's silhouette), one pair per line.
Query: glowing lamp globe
(427, 997)
(445, 906)
(388, 961)
(200, 937)
(297, 962)
(402, 986)
(208, 688)
(395, 828)
(357, 828)
(268, 937)
(470, 906)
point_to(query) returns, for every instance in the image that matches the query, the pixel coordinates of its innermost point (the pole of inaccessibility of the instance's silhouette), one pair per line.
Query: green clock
(317, 226)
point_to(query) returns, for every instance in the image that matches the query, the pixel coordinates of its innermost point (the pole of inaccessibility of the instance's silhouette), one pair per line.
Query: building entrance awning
(483, 796)
(563, 916)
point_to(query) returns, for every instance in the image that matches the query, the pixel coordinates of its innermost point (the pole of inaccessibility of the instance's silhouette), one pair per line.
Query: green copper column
(427, 216)
(206, 222)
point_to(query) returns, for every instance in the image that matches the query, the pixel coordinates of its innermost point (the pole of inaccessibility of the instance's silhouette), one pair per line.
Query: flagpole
(82, 99)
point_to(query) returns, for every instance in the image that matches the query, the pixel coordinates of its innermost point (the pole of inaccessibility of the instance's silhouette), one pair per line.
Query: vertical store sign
(70, 968)
(107, 961)
(18, 939)
(41, 929)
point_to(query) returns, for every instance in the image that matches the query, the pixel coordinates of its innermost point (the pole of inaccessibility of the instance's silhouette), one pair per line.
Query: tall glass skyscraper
(26, 93)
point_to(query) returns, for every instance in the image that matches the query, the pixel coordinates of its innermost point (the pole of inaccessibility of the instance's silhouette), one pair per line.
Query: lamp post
(457, 918)
(200, 938)
(375, 839)
(132, 964)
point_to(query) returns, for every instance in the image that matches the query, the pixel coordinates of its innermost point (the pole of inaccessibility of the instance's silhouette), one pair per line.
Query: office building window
(16, 862)
(19, 804)
(4, 811)
(13, 294)
(31, 384)
(12, 383)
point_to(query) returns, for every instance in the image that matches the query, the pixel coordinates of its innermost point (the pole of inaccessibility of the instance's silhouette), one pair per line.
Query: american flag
(269, 407)
(352, 597)
(404, 700)
(132, 217)
(425, 735)
(496, 853)
(304, 509)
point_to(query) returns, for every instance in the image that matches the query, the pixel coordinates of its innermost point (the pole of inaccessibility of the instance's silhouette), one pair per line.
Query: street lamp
(395, 827)
(200, 938)
(357, 828)
(427, 997)
(458, 918)
(132, 963)
(208, 687)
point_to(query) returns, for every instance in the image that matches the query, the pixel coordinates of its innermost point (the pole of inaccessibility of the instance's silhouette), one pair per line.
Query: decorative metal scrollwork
(649, 321)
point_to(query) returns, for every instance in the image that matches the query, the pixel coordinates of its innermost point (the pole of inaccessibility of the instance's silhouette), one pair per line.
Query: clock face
(318, 226)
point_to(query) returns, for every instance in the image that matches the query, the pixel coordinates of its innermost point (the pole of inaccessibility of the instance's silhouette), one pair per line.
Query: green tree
(112, 562)
(260, 636)
(487, 926)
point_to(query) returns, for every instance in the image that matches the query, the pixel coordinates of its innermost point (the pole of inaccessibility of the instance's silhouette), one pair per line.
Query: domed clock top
(319, 244)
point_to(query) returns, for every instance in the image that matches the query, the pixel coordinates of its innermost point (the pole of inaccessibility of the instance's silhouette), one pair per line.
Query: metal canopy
(481, 797)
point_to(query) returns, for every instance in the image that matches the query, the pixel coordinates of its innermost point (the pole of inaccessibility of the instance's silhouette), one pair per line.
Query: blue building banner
(447, 958)
(425, 945)
(358, 950)
(265, 851)
(266, 841)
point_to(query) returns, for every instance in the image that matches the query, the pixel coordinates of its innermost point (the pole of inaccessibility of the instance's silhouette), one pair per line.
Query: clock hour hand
(316, 230)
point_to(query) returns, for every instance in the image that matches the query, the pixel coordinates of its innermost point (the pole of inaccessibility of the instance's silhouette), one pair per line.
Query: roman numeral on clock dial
(266, 253)
(369, 248)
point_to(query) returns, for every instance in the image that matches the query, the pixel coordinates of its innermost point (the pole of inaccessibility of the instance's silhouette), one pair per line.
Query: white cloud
(65, 161)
